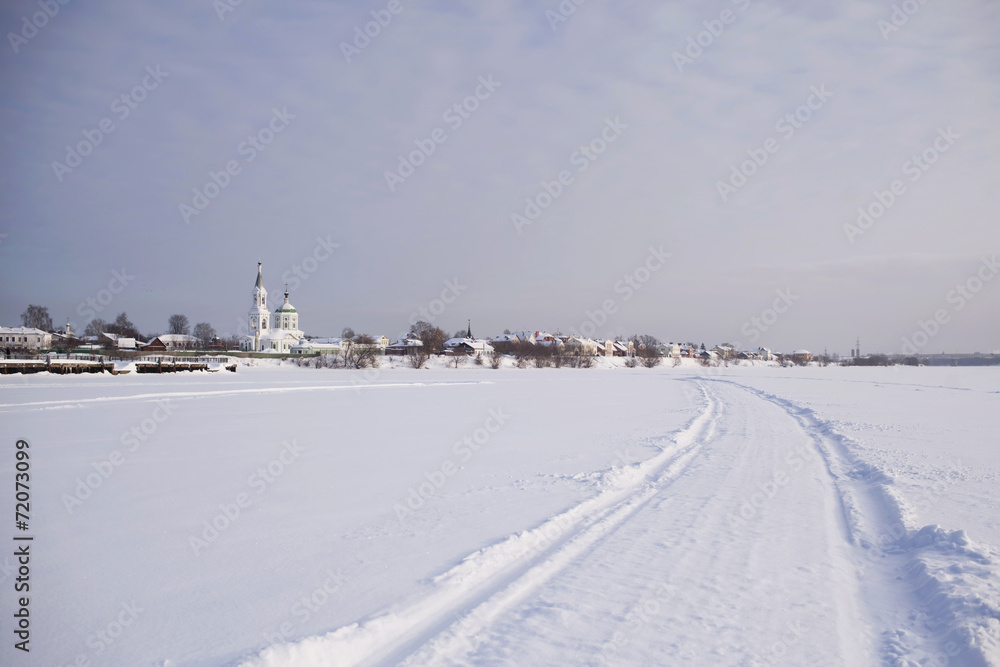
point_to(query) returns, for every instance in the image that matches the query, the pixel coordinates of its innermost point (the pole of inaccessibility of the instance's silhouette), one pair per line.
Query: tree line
(38, 317)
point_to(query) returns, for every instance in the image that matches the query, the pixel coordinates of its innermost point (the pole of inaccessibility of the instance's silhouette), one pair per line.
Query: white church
(263, 336)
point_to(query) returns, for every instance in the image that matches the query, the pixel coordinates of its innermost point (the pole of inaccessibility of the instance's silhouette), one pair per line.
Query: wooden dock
(95, 364)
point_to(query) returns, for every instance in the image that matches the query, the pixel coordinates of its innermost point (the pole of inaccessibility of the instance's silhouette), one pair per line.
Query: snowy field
(675, 516)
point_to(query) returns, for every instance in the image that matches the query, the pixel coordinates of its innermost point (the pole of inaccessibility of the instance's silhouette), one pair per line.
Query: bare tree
(178, 324)
(542, 356)
(362, 352)
(96, 327)
(496, 358)
(647, 350)
(123, 327)
(431, 336)
(36, 317)
(348, 333)
(418, 358)
(204, 332)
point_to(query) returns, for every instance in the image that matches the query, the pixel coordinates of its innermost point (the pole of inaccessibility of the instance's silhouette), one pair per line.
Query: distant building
(320, 345)
(469, 344)
(24, 338)
(170, 342)
(405, 347)
(283, 335)
(116, 341)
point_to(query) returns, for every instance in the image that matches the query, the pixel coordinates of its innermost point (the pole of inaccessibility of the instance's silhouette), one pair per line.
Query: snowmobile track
(442, 627)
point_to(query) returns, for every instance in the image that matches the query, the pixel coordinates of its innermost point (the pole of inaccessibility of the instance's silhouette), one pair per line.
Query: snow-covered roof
(318, 344)
(177, 338)
(327, 341)
(408, 342)
(21, 331)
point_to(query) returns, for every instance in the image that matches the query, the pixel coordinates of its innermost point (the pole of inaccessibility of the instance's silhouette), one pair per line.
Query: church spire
(468, 334)
(260, 276)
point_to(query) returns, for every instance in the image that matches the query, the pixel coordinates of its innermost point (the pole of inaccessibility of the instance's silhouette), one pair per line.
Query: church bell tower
(259, 314)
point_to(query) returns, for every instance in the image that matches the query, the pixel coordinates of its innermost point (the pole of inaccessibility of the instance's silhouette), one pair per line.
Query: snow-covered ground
(292, 516)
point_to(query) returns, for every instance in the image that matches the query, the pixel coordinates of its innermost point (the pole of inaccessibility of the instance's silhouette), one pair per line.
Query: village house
(801, 356)
(171, 342)
(579, 345)
(405, 347)
(116, 341)
(468, 344)
(24, 338)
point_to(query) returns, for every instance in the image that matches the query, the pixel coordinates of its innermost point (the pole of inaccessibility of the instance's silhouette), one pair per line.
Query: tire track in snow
(949, 584)
(707, 568)
(488, 582)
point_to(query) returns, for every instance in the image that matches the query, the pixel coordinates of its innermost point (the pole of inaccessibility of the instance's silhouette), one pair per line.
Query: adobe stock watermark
(463, 450)
(787, 125)
(307, 605)
(759, 324)
(249, 149)
(777, 653)
(300, 272)
(581, 158)
(627, 287)
(223, 7)
(922, 500)
(958, 298)
(92, 305)
(565, 9)
(102, 639)
(696, 44)
(463, 636)
(38, 20)
(899, 17)
(372, 29)
(433, 310)
(751, 506)
(122, 107)
(915, 168)
(230, 512)
(454, 116)
(131, 440)
(642, 613)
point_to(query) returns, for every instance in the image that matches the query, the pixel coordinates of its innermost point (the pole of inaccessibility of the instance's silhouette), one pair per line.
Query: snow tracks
(934, 593)
(447, 623)
(752, 538)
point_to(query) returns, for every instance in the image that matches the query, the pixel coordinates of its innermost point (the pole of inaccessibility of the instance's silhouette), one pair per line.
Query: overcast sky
(670, 98)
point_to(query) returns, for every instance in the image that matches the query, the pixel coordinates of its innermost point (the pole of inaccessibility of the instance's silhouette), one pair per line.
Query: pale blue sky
(655, 185)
